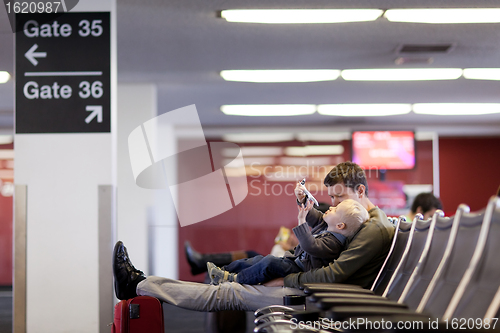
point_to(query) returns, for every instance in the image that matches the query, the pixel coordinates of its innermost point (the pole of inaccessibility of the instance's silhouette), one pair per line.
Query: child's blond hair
(354, 215)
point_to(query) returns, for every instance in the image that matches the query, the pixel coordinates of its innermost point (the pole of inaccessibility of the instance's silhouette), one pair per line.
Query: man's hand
(299, 192)
(279, 282)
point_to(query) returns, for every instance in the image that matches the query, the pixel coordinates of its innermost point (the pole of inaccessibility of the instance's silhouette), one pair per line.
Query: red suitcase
(141, 314)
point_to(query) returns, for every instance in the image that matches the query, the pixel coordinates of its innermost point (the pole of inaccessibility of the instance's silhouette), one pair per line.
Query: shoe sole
(115, 251)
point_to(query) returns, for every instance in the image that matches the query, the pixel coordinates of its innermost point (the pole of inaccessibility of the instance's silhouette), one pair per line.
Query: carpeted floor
(5, 309)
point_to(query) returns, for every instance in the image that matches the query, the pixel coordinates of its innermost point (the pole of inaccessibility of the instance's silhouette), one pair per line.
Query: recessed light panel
(456, 109)
(312, 150)
(300, 16)
(404, 74)
(482, 73)
(293, 75)
(363, 110)
(444, 15)
(257, 137)
(4, 76)
(269, 109)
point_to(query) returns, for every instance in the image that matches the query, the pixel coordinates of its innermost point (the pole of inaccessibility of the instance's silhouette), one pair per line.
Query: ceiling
(181, 45)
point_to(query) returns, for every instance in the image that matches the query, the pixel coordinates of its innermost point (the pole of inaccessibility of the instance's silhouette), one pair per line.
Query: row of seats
(443, 271)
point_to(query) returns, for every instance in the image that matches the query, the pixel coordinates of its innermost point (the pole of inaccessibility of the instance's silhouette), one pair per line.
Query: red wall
(6, 221)
(254, 223)
(5, 241)
(251, 225)
(469, 173)
(469, 170)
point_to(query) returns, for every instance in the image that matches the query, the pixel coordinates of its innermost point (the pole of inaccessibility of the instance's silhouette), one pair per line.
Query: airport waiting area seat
(400, 242)
(420, 235)
(321, 290)
(456, 276)
(408, 244)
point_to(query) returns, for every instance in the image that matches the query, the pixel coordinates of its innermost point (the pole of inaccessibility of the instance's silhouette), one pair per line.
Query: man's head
(346, 218)
(426, 204)
(346, 181)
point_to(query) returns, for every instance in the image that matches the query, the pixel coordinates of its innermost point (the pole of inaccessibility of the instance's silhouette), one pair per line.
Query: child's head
(346, 218)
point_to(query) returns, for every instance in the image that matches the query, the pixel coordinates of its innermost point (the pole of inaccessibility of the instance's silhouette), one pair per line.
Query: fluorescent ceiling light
(308, 161)
(255, 160)
(363, 110)
(6, 154)
(253, 151)
(482, 73)
(298, 16)
(456, 109)
(257, 137)
(425, 136)
(269, 109)
(281, 176)
(278, 75)
(408, 74)
(6, 139)
(412, 190)
(257, 169)
(324, 136)
(444, 15)
(234, 172)
(314, 150)
(4, 76)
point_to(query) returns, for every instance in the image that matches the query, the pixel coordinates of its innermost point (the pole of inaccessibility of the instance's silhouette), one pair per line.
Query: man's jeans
(207, 297)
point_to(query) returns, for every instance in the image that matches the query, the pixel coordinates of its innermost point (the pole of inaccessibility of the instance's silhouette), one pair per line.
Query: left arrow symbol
(31, 55)
(96, 112)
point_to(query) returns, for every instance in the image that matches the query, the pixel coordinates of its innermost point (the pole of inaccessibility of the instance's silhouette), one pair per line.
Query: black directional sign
(63, 73)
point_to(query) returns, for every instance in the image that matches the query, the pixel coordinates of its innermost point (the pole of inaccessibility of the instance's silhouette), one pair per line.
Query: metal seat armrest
(286, 326)
(325, 287)
(328, 303)
(273, 316)
(273, 308)
(340, 313)
(316, 297)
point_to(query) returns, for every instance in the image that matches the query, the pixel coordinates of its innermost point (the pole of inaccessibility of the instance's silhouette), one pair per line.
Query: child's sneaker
(218, 275)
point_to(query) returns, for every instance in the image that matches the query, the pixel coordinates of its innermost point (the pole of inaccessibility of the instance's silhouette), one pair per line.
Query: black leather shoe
(196, 261)
(126, 275)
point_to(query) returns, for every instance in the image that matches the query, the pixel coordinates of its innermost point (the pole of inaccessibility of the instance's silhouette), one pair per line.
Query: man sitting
(358, 264)
(317, 247)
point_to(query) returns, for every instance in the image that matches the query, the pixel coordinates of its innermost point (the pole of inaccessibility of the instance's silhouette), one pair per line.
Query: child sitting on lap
(317, 247)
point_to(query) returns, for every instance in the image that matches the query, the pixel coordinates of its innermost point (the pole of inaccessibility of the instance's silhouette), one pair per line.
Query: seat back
(398, 246)
(409, 260)
(430, 259)
(493, 310)
(481, 282)
(453, 266)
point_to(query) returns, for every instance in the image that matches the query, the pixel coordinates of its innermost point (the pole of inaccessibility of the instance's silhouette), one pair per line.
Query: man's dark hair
(348, 173)
(426, 201)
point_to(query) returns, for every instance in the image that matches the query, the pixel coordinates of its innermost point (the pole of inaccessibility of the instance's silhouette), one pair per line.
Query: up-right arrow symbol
(96, 112)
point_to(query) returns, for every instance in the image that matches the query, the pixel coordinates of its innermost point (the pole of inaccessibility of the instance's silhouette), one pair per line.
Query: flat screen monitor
(389, 150)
